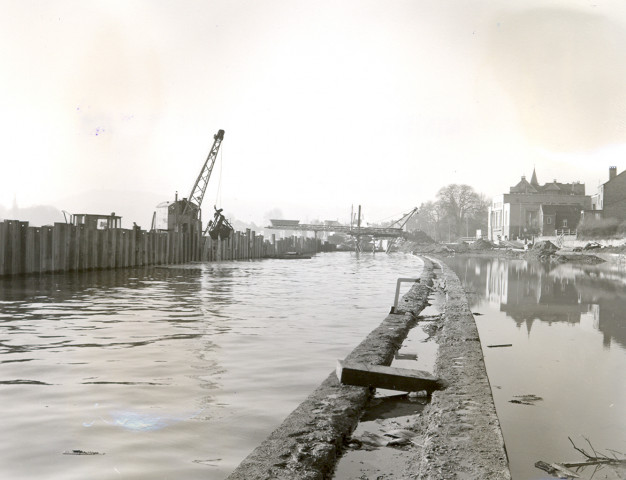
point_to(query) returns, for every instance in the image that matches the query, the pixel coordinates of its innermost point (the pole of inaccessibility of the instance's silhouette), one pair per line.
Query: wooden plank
(379, 376)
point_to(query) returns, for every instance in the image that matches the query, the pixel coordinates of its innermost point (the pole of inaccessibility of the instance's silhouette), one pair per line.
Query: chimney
(612, 172)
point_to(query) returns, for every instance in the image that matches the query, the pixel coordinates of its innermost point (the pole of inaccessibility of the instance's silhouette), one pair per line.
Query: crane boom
(405, 218)
(199, 188)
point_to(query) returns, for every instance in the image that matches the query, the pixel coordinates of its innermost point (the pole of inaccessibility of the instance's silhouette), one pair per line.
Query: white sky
(324, 103)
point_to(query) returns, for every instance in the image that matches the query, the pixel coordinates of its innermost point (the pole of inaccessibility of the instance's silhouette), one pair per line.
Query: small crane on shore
(185, 214)
(400, 223)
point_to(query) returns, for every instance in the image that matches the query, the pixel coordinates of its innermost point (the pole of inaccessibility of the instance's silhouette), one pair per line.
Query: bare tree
(460, 204)
(427, 219)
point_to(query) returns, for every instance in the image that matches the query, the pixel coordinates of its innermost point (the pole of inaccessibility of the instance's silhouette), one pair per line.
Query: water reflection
(564, 327)
(532, 292)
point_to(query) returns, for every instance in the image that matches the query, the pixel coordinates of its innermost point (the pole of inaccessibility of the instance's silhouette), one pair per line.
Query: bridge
(355, 231)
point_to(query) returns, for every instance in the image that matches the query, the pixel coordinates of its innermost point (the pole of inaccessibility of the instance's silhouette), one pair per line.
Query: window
(549, 220)
(565, 223)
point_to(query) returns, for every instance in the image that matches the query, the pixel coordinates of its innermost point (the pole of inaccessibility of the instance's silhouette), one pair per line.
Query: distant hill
(36, 216)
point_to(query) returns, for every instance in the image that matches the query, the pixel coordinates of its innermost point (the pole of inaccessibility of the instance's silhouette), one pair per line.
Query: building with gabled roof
(518, 214)
(610, 200)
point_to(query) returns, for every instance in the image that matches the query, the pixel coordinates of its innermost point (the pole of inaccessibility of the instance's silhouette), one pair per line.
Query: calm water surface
(174, 372)
(567, 327)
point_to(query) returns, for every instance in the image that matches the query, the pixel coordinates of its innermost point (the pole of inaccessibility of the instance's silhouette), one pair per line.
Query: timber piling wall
(65, 248)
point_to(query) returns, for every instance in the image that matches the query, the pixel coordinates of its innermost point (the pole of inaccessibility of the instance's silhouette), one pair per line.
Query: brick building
(532, 209)
(610, 201)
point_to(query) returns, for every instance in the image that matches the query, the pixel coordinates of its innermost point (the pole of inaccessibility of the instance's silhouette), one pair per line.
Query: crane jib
(197, 192)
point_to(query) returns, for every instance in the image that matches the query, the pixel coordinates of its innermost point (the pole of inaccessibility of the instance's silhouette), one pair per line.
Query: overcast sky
(325, 104)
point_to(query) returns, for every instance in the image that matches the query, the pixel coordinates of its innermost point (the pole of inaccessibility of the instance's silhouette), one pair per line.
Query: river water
(174, 372)
(563, 373)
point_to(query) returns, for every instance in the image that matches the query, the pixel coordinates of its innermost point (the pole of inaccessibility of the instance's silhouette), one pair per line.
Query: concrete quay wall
(309, 441)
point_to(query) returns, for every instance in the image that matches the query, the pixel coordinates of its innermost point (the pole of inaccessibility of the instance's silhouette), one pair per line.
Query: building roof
(533, 180)
(611, 179)
(553, 188)
(523, 187)
(560, 209)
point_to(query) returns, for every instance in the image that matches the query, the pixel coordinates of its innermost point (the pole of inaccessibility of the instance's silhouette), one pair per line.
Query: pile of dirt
(542, 251)
(544, 248)
(460, 247)
(481, 244)
(433, 248)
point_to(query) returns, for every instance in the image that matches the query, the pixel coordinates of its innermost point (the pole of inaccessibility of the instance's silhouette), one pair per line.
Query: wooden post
(46, 249)
(132, 247)
(37, 249)
(3, 247)
(92, 247)
(74, 247)
(56, 246)
(29, 249)
(101, 252)
(16, 248)
(81, 247)
(126, 234)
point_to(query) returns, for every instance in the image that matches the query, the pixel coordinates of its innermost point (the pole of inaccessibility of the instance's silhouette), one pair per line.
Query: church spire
(533, 180)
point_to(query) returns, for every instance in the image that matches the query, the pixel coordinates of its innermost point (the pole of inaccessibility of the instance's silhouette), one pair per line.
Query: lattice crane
(405, 218)
(199, 188)
(401, 223)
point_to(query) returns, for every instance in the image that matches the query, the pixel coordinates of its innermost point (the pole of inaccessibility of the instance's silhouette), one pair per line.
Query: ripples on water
(567, 327)
(174, 372)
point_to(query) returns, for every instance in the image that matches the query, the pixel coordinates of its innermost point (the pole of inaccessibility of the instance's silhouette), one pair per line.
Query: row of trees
(457, 212)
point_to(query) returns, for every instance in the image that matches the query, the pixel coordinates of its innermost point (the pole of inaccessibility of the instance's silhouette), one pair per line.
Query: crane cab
(172, 217)
(94, 221)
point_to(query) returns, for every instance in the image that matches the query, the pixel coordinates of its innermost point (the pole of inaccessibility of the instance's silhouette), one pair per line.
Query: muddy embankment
(456, 436)
(543, 251)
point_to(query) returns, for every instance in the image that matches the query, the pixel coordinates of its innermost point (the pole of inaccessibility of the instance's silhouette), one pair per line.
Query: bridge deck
(354, 231)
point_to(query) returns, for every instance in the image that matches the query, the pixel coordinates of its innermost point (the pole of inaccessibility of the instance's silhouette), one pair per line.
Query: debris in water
(556, 470)
(526, 399)
(81, 452)
(501, 345)
(598, 459)
(398, 436)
